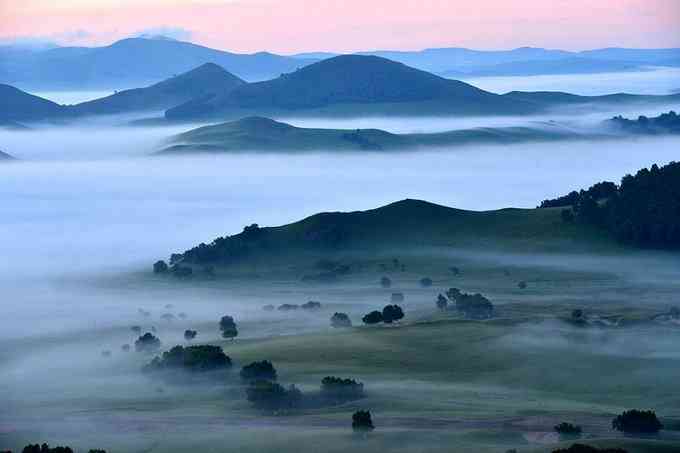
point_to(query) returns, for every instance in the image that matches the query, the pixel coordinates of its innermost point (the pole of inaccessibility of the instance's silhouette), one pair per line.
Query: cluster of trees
(198, 358)
(147, 343)
(474, 306)
(45, 448)
(388, 315)
(340, 320)
(270, 395)
(637, 422)
(263, 370)
(228, 327)
(225, 249)
(642, 210)
(309, 306)
(581, 448)
(666, 123)
(339, 389)
(568, 429)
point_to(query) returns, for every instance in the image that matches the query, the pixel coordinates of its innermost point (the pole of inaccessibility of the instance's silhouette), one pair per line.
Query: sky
(290, 26)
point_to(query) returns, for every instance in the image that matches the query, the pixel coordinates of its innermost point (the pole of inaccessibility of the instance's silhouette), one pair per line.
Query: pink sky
(288, 26)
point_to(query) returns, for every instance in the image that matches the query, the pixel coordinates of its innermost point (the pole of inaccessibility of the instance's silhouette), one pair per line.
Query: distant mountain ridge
(129, 63)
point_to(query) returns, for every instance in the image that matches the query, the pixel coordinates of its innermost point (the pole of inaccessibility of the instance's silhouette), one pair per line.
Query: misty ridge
(338, 252)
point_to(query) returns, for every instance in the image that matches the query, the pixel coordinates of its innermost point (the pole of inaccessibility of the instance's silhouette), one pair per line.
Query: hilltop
(204, 81)
(371, 83)
(264, 134)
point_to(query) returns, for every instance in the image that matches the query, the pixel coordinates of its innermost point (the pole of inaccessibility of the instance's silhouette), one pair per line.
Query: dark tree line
(581, 448)
(666, 123)
(644, 210)
(474, 306)
(388, 315)
(341, 389)
(192, 358)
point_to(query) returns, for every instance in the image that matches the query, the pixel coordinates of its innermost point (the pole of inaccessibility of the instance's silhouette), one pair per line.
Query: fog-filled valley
(87, 209)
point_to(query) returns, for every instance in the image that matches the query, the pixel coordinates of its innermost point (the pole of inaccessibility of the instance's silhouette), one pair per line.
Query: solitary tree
(147, 343)
(392, 313)
(522, 285)
(339, 320)
(228, 327)
(442, 303)
(568, 429)
(362, 422)
(190, 334)
(385, 282)
(263, 370)
(426, 282)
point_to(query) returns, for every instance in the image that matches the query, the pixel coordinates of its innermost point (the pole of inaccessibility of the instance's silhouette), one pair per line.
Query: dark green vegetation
(340, 320)
(262, 370)
(198, 358)
(362, 422)
(568, 429)
(667, 123)
(203, 82)
(642, 210)
(264, 134)
(341, 389)
(581, 448)
(228, 327)
(473, 306)
(637, 422)
(45, 448)
(147, 343)
(264, 394)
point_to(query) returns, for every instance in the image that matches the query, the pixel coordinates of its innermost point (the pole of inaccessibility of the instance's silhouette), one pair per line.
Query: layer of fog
(654, 81)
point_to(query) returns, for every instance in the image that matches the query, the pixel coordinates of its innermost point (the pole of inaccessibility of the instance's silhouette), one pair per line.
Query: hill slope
(18, 105)
(353, 80)
(405, 225)
(263, 134)
(206, 80)
(4, 157)
(132, 62)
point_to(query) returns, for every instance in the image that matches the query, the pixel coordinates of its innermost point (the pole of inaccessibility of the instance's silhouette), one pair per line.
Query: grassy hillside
(18, 105)
(263, 134)
(404, 225)
(207, 80)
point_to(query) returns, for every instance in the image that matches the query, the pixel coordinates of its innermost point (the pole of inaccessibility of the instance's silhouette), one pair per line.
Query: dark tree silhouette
(474, 306)
(392, 313)
(426, 282)
(373, 317)
(190, 334)
(228, 327)
(637, 422)
(568, 429)
(385, 282)
(45, 448)
(581, 448)
(522, 285)
(198, 358)
(442, 303)
(339, 320)
(263, 370)
(362, 422)
(273, 396)
(311, 305)
(288, 307)
(339, 389)
(147, 343)
(160, 267)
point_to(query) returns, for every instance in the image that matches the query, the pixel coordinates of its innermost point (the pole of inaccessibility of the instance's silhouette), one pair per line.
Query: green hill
(263, 134)
(202, 82)
(354, 80)
(404, 225)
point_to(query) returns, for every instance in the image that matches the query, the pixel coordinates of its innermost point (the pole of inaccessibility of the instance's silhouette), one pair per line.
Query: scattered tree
(474, 306)
(442, 303)
(392, 313)
(397, 297)
(273, 396)
(426, 282)
(373, 317)
(339, 389)
(136, 329)
(288, 307)
(385, 282)
(454, 270)
(168, 317)
(339, 320)
(637, 422)
(522, 285)
(190, 334)
(147, 343)
(228, 327)
(263, 370)
(362, 422)
(311, 305)
(567, 429)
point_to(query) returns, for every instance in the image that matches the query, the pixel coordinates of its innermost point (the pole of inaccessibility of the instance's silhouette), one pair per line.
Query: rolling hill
(202, 82)
(4, 157)
(375, 84)
(130, 63)
(264, 134)
(404, 225)
(20, 106)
